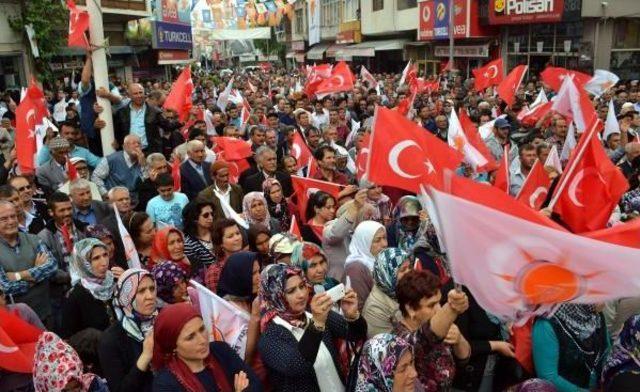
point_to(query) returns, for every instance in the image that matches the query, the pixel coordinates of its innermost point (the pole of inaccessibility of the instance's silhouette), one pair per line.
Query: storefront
(625, 50)
(12, 70)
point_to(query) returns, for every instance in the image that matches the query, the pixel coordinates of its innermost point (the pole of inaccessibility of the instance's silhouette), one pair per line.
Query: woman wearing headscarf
(171, 283)
(313, 261)
(298, 347)
(369, 239)
(386, 365)
(381, 308)
(198, 218)
(57, 367)
(126, 348)
(277, 204)
(379, 201)
(88, 305)
(168, 245)
(621, 370)
(411, 227)
(100, 232)
(255, 211)
(569, 347)
(184, 359)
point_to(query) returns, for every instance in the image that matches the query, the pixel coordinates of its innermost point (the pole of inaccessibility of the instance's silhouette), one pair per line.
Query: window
(299, 21)
(406, 4)
(329, 15)
(377, 5)
(350, 10)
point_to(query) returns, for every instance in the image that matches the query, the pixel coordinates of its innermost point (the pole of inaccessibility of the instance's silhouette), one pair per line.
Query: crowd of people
(402, 325)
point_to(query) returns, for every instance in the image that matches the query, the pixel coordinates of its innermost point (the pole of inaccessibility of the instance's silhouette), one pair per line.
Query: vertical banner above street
(434, 20)
(314, 21)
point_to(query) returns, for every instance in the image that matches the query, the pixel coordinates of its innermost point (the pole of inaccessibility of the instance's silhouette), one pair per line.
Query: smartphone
(336, 293)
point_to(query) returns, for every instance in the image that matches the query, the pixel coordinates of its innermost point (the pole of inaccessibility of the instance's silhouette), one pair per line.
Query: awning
(317, 52)
(290, 55)
(334, 49)
(368, 49)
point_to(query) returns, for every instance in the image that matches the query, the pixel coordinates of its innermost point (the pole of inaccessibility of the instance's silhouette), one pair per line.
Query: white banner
(314, 21)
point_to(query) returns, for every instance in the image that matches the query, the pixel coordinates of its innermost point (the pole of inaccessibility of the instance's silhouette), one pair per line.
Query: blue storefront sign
(171, 36)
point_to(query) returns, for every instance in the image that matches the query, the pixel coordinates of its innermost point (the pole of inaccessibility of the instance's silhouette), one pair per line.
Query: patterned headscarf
(625, 352)
(124, 303)
(56, 364)
(385, 269)
(249, 198)
(360, 246)
(302, 253)
(273, 302)
(380, 356)
(278, 211)
(167, 275)
(100, 288)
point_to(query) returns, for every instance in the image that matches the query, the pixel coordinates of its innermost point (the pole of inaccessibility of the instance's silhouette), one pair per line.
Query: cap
(75, 160)
(501, 123)
(282, 243)
(58, 143)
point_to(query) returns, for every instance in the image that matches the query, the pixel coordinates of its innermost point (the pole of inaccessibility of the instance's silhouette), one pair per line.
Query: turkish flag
(295, 228)
(341, 80)
(533, 115)
(420, 85)
(17, 343)
(72, 173)
(236, 168)
(179, 98)
(245, 113)
(78, 26)
(404, 107)
(29, 113)
(305, 187)
(234, 149)
(509, 85)
(535, 187)
(501, 180)
(488, 75)
(363, 156)
(527, 267)
(590, 187)
(175, 173)
(404, 155)
(574, 102)
(367, 77)
(299, 150)
(553, 77)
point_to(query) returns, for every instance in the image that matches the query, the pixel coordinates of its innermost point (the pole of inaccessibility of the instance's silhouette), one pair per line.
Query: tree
(50, 20)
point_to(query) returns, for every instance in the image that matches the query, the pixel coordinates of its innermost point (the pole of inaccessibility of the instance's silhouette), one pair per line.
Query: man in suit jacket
(222, 189)
(194, 172)
(140, 119)
(267, 167)
(85, 209)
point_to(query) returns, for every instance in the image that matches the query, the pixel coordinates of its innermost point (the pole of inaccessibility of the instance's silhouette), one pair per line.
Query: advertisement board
(525, 11)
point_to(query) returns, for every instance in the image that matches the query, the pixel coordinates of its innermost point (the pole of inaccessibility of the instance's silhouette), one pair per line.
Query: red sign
(165, 55)
(434, 20)
(525, 11)
(346, 37)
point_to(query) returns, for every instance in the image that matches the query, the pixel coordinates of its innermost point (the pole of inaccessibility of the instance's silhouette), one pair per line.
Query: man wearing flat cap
(53, 173)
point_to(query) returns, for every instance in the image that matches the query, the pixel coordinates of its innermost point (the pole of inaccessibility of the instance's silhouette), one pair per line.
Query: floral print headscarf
(56, 364)
(124, 304)
(247, 201)
(625, 352)
(380, 356)
(385, 269)
(273, 301)
(167, 275)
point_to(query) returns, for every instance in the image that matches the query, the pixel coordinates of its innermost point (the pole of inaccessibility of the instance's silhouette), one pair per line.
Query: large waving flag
(509, 85)
(488, 75)
(223, 98)
(464, 137)
(179, 98)
(367, 77)
(341, 80)
(299, 150)
(31, 112)
(17, 343)
(601, 81)
(574, 103)
(403, 155)
(590, 187)
(538, 109)
(78, 26)
(527, 268)
(555, 76)
(224, 322)
(304, 187)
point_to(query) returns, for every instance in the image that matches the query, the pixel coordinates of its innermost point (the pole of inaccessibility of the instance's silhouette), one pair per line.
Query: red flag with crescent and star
(488, 75)
(363, 156)
(234, 149)
(29, 113)
(590, 187)
(501, 178)
(78, 26)
(554, 76)
(299, 150)
(509, 85)
(403, 155)
(535, 187)
(304, 187)
(179, 99)
(341, 80)
(17, 343)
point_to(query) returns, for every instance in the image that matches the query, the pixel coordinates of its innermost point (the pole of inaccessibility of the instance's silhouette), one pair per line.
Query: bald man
(140, 119)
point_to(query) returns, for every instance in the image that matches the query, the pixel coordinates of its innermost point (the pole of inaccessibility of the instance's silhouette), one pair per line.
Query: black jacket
(81, 310)
(190, 181)
(254, 182)
(152, 122)
(118, 354)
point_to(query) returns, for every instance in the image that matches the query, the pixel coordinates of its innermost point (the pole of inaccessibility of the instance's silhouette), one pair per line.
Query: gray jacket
(335, 243)
(51, 176)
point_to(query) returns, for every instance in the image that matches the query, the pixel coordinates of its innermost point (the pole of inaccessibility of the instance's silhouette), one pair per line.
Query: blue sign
(441, 26)
(171, 36)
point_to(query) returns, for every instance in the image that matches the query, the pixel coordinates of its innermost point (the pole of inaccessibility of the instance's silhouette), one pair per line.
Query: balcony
(122, 10)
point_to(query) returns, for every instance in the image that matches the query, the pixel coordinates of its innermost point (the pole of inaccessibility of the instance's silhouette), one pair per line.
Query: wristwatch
(318, 328)
(18, 276)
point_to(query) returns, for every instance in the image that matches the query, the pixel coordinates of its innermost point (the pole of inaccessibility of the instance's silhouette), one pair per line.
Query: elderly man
(139, 119)
(221, 189)
(267, 168)
(629, 164)
(36, 212)
(53, 174)
(26, 264)
(123, 168)
(118, 197)
(194, 172)
(70, 131)
(85, 209)
(558, 133)
(83, 172)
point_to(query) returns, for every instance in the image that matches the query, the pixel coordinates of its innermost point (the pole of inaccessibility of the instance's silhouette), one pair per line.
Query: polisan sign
(525, 11)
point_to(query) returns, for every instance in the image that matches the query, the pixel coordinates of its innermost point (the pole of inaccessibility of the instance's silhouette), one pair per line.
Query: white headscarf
(360, 246)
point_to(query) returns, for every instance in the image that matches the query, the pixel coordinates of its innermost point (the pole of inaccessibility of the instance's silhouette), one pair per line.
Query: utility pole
(100, 72)
(451, 35)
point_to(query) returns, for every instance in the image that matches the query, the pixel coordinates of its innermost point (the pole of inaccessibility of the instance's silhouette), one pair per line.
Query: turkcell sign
(171, 36)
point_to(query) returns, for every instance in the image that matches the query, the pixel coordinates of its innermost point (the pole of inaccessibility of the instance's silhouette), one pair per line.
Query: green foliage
(50, 20)
(271, 46)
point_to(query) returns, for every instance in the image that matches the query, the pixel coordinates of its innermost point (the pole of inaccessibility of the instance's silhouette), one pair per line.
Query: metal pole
(451, 34)
(100, 72)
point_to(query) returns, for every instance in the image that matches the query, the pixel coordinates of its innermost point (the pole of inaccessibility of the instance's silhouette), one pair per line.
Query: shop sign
(348, 37)
(171, 55)
(173, 11)
(297, 46)
(434, 20)
(463, 51)
(171, 36)
(525, 11)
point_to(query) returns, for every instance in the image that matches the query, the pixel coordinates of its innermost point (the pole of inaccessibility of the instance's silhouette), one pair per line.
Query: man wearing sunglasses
(36, 212)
